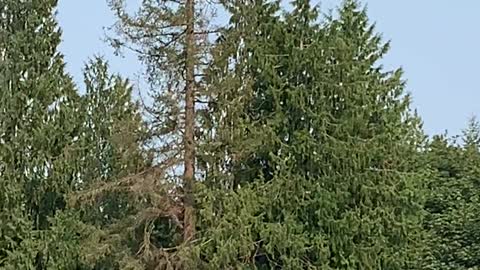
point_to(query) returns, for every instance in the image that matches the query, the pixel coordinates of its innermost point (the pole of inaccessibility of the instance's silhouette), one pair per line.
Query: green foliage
(453, 202)
(55, 142)
(37, 120)
(113, 131)
(308, 154)
(329, 180)
(110, 149)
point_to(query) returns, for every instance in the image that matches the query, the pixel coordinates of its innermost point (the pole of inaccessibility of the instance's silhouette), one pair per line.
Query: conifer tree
(37, 124)
(109, 145)
(453, 201)
(172, 39)
(330, 181)
(112, 124)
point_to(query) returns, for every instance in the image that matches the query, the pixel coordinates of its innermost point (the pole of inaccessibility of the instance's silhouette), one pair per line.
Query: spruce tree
(37, 124)
(109, 146)
(113, 128)
(453, 201)
(330, 181)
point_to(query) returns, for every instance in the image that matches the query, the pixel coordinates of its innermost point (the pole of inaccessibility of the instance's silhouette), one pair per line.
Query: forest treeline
(272, 140)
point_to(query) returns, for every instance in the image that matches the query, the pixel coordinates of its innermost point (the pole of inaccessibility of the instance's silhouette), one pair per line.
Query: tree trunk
(189, 137)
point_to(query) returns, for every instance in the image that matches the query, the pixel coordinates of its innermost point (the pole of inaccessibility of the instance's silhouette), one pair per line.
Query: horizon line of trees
(274, 141)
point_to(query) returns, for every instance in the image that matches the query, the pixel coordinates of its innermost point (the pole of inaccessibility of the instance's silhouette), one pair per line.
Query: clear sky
(437, 42)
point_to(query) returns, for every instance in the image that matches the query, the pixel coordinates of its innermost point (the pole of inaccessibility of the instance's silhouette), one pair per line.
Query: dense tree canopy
(452, 203)
(37, 125)
(275, 140)
(329, 182)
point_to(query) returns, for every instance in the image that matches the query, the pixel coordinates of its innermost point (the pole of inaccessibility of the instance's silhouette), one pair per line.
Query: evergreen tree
(110, 147)
(37, 123)
(453, 201)
(113, 128)
(330, 182)
(285, 145)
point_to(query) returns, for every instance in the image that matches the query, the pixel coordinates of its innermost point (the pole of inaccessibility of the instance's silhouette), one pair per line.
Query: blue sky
(437, 42)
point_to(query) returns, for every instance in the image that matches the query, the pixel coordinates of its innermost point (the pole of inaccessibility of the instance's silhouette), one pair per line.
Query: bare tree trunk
(189, 137)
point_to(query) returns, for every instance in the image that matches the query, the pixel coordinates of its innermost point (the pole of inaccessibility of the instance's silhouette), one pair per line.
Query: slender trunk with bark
(189, 137)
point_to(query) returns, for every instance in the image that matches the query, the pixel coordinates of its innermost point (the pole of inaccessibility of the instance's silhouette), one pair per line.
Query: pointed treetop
(471, 134)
